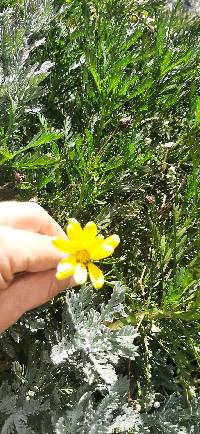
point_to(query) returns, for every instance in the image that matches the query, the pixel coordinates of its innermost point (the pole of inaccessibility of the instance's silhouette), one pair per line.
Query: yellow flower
(82, 247)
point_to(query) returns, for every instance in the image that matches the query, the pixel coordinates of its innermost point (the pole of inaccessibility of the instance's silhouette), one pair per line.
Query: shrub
(100, 120)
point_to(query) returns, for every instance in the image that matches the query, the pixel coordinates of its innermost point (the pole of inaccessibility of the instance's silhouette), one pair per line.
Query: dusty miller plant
(87, 354)
(20, 76)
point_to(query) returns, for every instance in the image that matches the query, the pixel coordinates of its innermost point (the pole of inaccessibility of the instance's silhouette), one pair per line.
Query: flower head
(82, 247)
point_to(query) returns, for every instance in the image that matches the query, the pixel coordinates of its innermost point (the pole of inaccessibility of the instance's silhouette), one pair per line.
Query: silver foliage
(20, 77)
(18, 407)
(87, 334)
(112, 413)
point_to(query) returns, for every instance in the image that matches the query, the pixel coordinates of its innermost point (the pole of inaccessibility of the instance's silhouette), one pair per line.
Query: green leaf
(96, 76)
(39, 140)
(34, 162)
(140, 89)
(5, 155)
(197, 111)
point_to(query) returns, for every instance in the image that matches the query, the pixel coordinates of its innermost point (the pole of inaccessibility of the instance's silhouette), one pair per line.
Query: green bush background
(99, 120)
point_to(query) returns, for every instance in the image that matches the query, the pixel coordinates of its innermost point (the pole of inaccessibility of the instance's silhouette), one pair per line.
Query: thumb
(23, 251)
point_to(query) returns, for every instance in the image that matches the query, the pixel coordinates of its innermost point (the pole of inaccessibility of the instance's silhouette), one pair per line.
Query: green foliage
(99, 119)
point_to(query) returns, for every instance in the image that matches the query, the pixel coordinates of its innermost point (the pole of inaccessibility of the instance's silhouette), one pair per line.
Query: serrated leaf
(168, 255)
(115, 304)
(35, 162)
(39, 140)
(96, 76)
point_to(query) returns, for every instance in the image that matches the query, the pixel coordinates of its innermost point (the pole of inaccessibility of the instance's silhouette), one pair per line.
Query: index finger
(29, 216)
(27, 292)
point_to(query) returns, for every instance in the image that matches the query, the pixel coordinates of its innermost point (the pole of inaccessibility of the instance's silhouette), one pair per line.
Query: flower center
(82, 256)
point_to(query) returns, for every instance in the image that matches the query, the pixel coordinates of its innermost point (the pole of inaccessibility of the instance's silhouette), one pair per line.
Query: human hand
(28, 260)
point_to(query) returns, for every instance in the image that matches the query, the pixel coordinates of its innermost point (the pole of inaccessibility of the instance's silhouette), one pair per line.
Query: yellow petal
(65, 268)
(101, 252)
(74, 230)
(112, 241)
(90, 232)
(80, 274)
(104, 248)
(99, 238)
(96, 276)
(65, 245)
(95, 243)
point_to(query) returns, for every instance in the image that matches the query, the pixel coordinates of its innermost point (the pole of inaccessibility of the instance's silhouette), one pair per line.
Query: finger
(3, 282)
(26, 251)
(29, 216)
(6, 274)
(28, 292)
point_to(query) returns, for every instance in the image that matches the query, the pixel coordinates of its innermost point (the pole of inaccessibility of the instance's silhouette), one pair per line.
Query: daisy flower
(82, 248)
